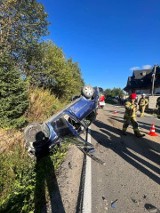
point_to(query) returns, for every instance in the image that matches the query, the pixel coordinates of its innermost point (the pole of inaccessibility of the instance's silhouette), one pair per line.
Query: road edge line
(87, 199)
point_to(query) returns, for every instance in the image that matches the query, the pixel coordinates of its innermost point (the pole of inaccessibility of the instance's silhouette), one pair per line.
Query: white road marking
(87, 199)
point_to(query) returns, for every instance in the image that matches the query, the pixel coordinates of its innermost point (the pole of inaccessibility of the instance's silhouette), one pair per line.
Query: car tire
(87, 91)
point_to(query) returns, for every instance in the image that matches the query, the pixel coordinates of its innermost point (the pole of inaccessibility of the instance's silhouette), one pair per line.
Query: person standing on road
(158, 107)
(143, 102)
(130, 116)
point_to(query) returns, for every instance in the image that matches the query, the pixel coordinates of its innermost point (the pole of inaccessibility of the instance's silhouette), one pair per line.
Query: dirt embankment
(69, 179)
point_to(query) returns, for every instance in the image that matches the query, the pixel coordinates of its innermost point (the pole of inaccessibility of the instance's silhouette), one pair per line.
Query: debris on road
(105, 202)
(113, 203)
(151, 208)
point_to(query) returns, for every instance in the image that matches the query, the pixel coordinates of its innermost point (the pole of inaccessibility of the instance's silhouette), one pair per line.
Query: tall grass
(43, 104)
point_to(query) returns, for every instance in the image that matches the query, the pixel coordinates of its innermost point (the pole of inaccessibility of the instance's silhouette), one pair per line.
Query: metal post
(153, 79)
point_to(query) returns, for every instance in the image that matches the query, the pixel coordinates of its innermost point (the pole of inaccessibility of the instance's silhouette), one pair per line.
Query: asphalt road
(130, 180)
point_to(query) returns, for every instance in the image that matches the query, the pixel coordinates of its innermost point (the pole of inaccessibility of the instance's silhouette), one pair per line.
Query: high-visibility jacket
(143, 102)
(130, 109)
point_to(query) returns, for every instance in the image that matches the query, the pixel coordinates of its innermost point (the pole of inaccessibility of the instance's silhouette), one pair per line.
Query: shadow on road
(115, 111)
(47, 194)
(134, 150)
(141, 124)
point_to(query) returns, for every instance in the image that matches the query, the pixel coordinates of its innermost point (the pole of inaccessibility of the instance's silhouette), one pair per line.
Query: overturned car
(70, 122)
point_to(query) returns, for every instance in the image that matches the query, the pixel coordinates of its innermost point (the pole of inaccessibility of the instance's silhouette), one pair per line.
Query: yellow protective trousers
(142, 109)
(133, 122)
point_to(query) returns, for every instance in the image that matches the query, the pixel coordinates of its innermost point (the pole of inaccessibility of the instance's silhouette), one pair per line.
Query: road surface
(130, 180)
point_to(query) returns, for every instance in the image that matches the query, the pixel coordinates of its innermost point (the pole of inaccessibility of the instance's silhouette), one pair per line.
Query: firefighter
(158, 107)
(130, 116)
(143, 102)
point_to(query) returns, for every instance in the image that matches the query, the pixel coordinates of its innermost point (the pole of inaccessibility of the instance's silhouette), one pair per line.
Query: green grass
(21, 178)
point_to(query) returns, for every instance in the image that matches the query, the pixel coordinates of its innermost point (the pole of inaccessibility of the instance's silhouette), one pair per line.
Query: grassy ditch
(22, 179)
(25, 183)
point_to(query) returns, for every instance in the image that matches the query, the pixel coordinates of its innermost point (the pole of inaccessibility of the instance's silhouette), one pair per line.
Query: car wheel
(87, 91)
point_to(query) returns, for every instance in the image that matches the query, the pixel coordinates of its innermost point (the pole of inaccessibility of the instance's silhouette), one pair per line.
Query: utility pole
(153, 79)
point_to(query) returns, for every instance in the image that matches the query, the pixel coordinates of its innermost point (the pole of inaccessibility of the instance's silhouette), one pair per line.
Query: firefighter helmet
(133, 96)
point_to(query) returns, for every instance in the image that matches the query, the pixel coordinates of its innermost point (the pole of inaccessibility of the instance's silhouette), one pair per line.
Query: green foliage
(75, 81)
(64, 73)
(114, 92)
(22, 24)
(22, 179)
(13, 96)
(17, 180)
(44, 64)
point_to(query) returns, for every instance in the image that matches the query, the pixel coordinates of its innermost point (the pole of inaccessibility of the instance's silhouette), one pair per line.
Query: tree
(108, 92)
(117, 92)
(75, 82)
(13, 96)
(65, 73)
(114, 92)
(22, 23)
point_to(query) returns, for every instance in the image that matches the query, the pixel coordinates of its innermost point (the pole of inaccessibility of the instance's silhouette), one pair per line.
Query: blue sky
(107, 38)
